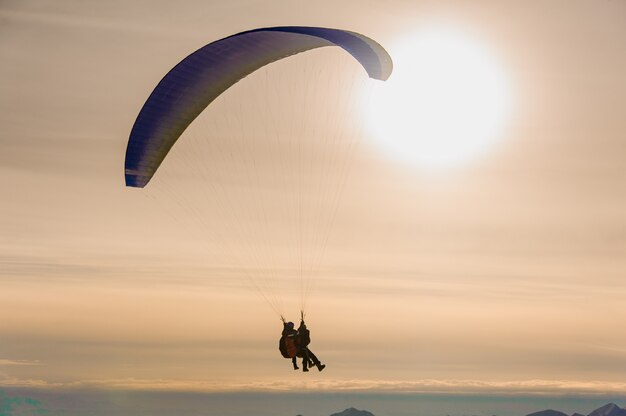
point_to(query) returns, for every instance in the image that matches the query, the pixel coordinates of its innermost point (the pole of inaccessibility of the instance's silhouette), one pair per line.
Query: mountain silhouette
(548, 412)
(356, 412)
(610, 409)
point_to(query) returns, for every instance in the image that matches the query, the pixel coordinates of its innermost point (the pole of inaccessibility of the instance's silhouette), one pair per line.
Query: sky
(503, 275)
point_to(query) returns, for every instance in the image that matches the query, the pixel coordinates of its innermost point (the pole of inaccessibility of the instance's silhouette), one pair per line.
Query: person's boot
(321, 366)
(295, 367)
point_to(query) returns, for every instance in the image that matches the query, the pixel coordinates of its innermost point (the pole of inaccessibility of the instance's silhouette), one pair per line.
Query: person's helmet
(290, 325)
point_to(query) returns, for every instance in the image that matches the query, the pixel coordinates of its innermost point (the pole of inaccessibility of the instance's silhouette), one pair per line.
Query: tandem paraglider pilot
(295, 343)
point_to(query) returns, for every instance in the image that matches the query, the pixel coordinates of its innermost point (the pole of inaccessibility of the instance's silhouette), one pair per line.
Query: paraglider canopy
(202, 76)
(257, 178)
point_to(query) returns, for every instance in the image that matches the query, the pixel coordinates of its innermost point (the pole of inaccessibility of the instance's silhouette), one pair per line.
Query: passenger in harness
(294, 344)
(287, 344)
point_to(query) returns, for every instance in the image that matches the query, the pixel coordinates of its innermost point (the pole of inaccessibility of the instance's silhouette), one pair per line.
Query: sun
(444, 105)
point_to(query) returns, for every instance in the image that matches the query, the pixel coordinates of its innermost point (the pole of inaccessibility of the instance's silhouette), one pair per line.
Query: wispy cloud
(430, 386)
(4, 361)
(74, 20)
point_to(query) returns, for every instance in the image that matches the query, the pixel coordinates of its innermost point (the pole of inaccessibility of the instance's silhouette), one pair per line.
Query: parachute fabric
(201, 77)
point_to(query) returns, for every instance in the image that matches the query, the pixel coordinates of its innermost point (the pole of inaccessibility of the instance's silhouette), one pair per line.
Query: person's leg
(313, 358)
(295, 364)
(305, 359)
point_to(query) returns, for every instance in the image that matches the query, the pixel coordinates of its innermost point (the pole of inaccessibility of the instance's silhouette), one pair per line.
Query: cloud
(427, 386)
(73, 20)
(8, 382)
(4, 361)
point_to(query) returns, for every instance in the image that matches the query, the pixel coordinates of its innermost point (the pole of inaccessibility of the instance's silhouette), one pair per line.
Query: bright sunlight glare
(444, 105)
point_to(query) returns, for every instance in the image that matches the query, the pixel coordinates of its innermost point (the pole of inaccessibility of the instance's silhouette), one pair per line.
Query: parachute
(210, 73)
(198, 79)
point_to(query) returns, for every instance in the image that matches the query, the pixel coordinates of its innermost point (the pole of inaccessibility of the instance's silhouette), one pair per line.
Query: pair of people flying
(295, 343)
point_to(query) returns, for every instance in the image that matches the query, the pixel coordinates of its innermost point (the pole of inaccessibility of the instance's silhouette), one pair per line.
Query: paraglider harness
(289, 344)
(288, 347)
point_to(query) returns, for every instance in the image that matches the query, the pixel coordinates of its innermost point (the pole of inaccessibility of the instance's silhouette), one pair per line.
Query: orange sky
(503, 275)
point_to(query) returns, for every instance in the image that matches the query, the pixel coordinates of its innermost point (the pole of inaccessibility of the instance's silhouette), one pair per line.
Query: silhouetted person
(288, 342)
(303, 341)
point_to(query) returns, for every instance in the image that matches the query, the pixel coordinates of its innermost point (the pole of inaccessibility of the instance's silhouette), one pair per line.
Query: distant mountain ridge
(548, 412)
(353, 412)
(610, 409)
